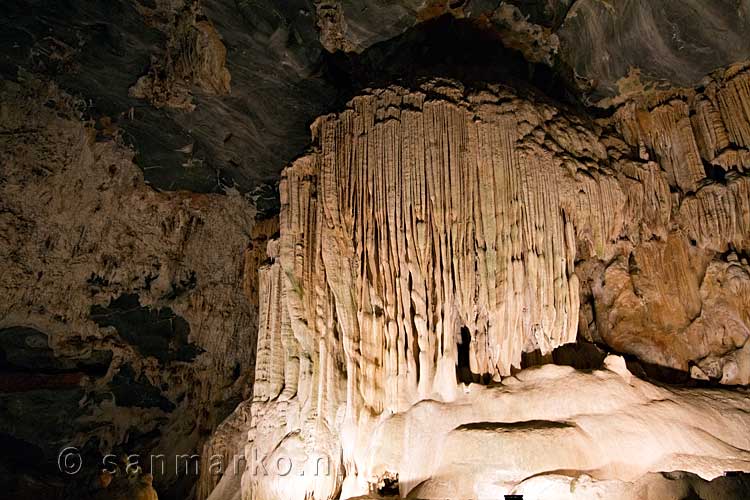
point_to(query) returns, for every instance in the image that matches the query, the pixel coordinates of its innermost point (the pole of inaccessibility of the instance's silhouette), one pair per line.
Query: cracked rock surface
(215, 94)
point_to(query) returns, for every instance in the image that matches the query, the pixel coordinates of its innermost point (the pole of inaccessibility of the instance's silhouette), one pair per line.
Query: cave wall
(126, 313)
(683, 304)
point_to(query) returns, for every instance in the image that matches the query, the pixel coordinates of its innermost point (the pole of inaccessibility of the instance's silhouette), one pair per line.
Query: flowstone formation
(438, 242)
(435, 235)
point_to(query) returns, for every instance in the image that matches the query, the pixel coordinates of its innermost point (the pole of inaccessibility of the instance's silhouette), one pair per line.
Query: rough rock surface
(435, 235)
(681, 300)
(496, 440)
(121, 307)
(670, 42)
(223, 453)
(251, 71)
(195, 55)
(181, 55)
(133, 485)
(546, 431)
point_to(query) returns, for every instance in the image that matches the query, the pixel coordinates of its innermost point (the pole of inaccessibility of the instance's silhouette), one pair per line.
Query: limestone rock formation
(177, 55)
(133, 485)
(127, 310)
(223, 453)
(434, 235)
(511, 437)
(682, 299)
(581, 197)
(195, 55)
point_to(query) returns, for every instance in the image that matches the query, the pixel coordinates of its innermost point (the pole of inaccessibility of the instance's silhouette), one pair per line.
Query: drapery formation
(436, 221)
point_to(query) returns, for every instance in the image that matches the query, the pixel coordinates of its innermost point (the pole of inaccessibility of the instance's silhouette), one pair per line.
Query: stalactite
(431, 221)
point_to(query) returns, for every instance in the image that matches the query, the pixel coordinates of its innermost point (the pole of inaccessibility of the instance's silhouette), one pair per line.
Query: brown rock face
(195, 55)
(134, 485)
(680, 301)
(437, 242)
(136, 296)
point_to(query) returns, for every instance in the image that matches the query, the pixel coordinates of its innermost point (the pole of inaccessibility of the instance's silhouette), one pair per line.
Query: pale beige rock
(496, 439)
(223, 454)
(668, 486)
(423, 213)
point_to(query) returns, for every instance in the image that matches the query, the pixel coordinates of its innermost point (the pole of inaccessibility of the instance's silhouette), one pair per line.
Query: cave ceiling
(220, 94)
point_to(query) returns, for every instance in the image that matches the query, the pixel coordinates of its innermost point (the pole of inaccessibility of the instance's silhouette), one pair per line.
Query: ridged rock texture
(432, 236)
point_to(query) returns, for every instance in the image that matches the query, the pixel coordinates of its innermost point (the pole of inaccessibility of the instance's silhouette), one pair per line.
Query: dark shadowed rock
(670, 42)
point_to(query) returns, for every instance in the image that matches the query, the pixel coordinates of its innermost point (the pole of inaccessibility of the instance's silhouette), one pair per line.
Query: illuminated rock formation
(438, 243)
(195, 55)
(497, 440)
(433, 236)
(681, 301)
